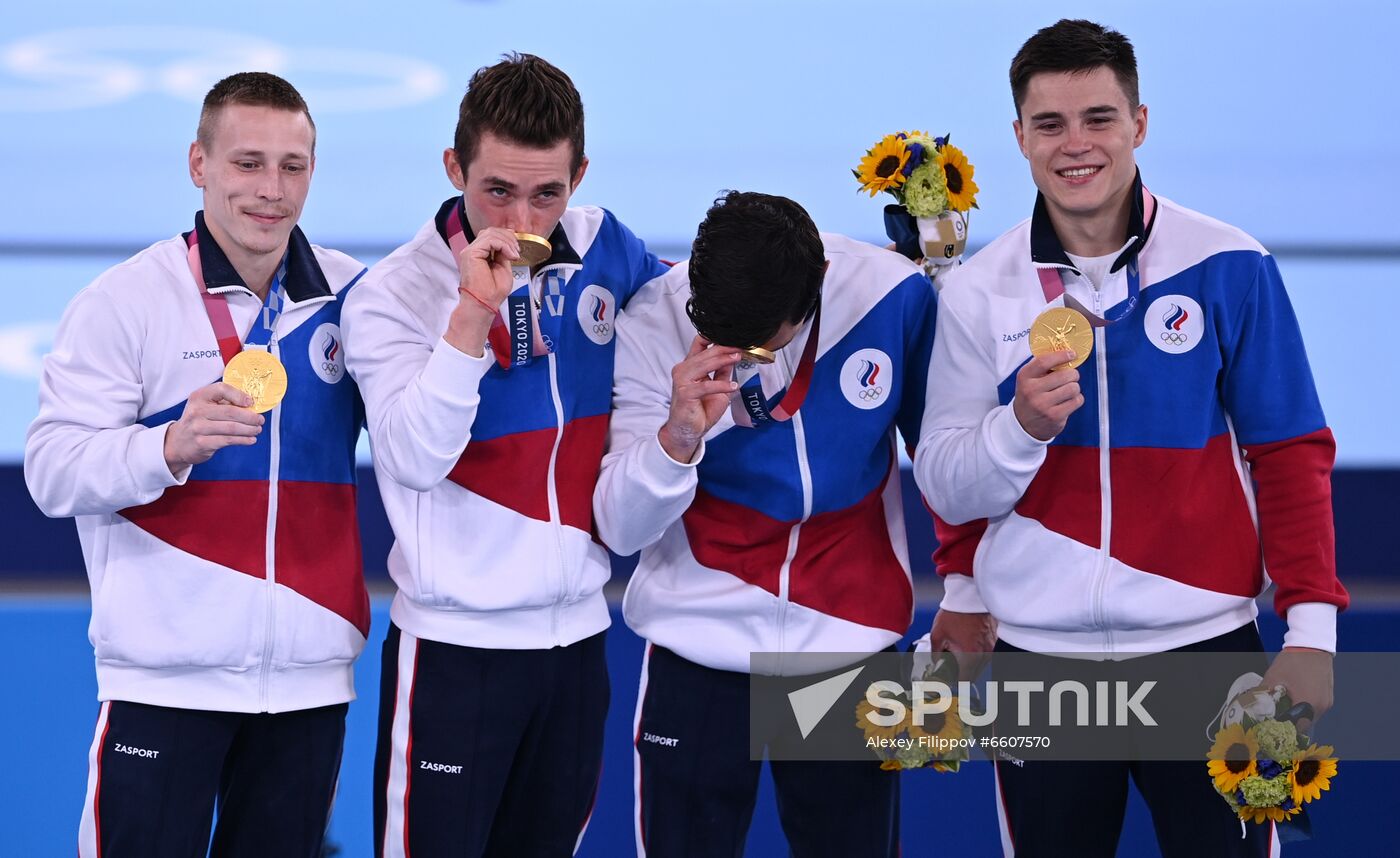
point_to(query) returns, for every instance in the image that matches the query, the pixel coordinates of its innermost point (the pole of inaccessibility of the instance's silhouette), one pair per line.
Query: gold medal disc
(533, 249)
(1062, 329)
(758, 354)
(260, 375)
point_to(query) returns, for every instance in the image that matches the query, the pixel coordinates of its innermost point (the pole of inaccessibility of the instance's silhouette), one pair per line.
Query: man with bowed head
(752, 460)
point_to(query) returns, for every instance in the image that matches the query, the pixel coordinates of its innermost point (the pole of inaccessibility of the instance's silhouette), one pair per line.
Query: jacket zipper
(553, 495)
(274, 467)
(1105, 478)
(794, 535)
(551, 488)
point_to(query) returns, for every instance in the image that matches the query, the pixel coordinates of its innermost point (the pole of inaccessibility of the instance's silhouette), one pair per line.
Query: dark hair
(757, 262)
(1075, 46)
(255, 89)
(525, 100)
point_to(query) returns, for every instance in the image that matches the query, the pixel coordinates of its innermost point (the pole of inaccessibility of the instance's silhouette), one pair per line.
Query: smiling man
(487, 375)
(1129, 506)
(228, 600)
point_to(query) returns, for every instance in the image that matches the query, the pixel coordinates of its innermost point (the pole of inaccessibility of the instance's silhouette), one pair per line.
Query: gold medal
(758, 354)
(1062, 329)
(533, 249)
(260, 375)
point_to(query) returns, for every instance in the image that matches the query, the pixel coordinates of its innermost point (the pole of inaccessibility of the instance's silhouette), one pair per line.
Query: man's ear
(197, 164)
(1140, 125)
(455, 174)
(578, 175)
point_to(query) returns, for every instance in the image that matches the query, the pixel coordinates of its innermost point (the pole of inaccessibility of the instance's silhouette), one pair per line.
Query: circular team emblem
(327, 357)
(867, 378)
(597, 312)
(1175, 324)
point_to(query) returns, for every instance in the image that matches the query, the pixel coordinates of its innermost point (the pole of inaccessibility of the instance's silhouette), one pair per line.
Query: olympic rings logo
(871, 393)
(93, 66)
(594, 308)
(1175, 338)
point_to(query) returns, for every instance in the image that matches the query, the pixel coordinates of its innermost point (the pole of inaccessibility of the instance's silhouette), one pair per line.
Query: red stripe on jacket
(225, 522)
(513, 470)
(222, 521)
(576, 469)
(845, 565)
(1294, 480)
(737, 539)
(510, 470)
(318, 556)
(1064, 496)
(957, 544)
(1183, 514)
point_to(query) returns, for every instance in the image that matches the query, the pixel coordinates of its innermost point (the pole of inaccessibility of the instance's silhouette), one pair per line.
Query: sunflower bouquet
(940, 741)
(931, 180)
(1262, 764)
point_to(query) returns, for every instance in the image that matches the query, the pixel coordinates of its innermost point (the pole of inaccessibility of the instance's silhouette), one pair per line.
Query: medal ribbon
(221, 320)
(515, 335)
(755, 408)
(1052, 280)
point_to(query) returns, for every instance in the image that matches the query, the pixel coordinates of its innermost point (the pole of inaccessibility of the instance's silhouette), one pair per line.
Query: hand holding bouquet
(931, 180)
(931, 734)
(1261, 763)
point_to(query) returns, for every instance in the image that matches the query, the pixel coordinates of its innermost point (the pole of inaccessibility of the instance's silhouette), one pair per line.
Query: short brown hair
(255, 89)
(525, 100)
(1075, 45)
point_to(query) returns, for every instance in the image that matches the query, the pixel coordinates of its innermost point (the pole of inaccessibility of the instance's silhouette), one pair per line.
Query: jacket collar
(1046, 248)
(304, 280)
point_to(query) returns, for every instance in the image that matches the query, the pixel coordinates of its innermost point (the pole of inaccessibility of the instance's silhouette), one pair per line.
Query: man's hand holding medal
(701, 388)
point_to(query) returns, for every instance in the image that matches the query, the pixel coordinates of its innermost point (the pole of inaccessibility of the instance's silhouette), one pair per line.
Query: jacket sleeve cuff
(1313, 625)
(960, 595)
(148, 460)
(454, 376)
(659, 469)
(1009, 442)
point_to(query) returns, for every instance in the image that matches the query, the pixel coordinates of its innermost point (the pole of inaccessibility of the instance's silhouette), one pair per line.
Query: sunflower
(873, 730)
(882, 168)
(1312, 773)
(945, 726)
(1259, 814)
(1232, 758)
(962, 191)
